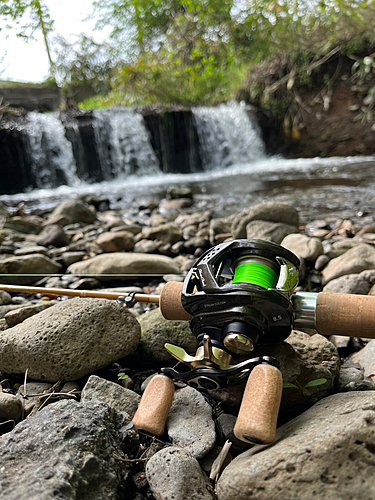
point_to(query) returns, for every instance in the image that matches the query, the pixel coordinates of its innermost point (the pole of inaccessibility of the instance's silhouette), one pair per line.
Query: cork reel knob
(257, 418)
(154, 406)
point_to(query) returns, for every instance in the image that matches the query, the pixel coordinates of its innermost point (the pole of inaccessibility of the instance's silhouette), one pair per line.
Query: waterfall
(51, 154)
(227, 135)
(126, 148)
(52, 149)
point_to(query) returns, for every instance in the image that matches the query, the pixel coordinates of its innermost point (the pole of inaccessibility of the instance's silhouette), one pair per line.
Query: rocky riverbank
(72, 371)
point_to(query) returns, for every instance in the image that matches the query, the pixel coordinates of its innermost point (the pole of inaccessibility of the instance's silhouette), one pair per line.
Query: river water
(237, 171)
(318, 188)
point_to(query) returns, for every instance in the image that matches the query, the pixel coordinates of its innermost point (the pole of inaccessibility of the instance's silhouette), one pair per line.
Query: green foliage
(297, 385)
(122, 376)
(199, 51)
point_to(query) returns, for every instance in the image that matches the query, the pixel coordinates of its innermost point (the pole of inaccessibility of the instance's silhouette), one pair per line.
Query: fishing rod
(237, 295)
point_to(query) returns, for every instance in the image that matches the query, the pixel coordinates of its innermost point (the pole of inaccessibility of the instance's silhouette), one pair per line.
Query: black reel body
(239, 292)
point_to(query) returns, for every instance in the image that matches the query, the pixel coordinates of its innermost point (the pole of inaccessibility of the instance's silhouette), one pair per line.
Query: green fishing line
(255, 273)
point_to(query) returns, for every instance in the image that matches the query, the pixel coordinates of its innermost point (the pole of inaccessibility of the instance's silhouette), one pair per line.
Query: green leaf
(318, 381)
(122, 376)
(287, 385)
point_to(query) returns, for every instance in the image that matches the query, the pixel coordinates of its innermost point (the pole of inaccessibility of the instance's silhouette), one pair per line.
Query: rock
(218, 227)
(36, 265)
(10, 407)
(68, 258)
(173, 473)
(353, 261)
(270, 231)
(68, 450)
(351, 283)
(69, 340)
(314, 456)
(192, 244)
(189, 424)
(225, 423)
(175, 192)
(125, 265)
(271, 212)
(365, 359)
(321, 262)
(5, 298)
(175, 205)
(70, 212)
(11, 307)
(145, 246)
(348, 376)
(32, 394)
(27, 225)
(167, 233)
(52, 235)
(116, 241)
(156, 331)
(117, 397)
(29, 249)
(303, 246)
(15, 317)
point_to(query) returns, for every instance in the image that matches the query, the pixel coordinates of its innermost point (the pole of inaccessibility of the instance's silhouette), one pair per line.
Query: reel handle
(257, 418)
(345, 314)
(154, 406)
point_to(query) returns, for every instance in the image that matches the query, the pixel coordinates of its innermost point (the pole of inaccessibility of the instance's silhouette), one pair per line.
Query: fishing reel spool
(238, 294)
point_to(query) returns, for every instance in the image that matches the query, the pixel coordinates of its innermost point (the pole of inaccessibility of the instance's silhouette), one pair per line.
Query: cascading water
(51, 150)
(126, 148)
(51, 154)
(227, 135)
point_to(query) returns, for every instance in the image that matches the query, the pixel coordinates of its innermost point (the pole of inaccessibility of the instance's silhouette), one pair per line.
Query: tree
(29, 16)
(177, 51)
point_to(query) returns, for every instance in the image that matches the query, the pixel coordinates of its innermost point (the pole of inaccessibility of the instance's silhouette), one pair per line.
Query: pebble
(165, 239)
(189, 424)
(10, 407)
(173, 473)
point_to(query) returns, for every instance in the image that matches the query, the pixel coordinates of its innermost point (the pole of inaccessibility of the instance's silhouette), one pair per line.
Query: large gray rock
(271, 212)
(173, 473)
(29, 267)
(104, 391)
(327, 453)
(70, 212)
(304, 246)
(189, 424)
(69, 340)
(66, 451)
(125, 266)
(115, 241)
(52, 235)
(351, 283)
(156, 331)
(167, 233)
(365, 359)
(29, 224)
(269, 231)
(354, 261)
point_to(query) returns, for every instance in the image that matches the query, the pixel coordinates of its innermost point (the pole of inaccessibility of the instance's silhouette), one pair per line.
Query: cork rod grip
(170, 302)
(345, 314)
(154, 406)
(257, 418)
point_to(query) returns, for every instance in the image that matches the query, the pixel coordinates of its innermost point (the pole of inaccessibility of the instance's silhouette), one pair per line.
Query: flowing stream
(235, 170)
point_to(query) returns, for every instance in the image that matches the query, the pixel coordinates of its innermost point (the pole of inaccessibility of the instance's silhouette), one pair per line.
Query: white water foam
(227, 135)
(130, 150)
(51, 152)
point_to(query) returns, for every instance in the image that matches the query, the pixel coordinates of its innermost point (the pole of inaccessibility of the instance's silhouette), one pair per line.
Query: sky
(27, 61)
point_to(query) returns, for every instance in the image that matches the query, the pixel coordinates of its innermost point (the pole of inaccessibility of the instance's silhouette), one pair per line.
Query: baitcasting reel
(238, 294)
